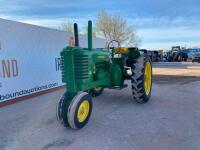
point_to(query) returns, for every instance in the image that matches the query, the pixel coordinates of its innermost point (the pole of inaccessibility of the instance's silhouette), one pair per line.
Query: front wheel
(141, 79)
(75, 112)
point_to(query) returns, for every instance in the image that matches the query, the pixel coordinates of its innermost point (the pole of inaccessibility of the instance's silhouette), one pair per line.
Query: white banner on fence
(30, 58)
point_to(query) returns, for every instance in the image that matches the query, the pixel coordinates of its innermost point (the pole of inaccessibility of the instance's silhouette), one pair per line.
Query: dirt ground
(169, 121)
(180, 73)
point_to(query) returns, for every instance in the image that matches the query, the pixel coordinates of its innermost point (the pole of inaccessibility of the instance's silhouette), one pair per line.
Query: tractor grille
(63, 69)
(81, 66)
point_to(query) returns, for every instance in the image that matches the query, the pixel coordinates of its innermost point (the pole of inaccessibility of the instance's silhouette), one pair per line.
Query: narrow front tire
(75, 112)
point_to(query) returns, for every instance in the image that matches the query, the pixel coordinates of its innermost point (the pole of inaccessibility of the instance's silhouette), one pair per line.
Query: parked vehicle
(177, 54)
(194, 57)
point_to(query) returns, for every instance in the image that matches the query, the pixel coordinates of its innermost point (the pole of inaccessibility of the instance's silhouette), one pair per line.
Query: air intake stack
(90, 35)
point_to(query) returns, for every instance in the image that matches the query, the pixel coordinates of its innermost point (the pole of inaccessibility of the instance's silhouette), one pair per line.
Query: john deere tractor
(87, 71)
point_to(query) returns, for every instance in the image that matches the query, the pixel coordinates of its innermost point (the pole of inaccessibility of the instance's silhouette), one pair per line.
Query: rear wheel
(141, 79)
(75, 112)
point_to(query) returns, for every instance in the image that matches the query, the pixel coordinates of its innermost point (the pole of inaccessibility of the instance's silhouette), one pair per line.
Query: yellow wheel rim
(148, 78)
(83, 111)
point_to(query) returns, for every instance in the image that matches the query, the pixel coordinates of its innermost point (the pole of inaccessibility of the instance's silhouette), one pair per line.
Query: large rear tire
(75, 112)
(141, 79)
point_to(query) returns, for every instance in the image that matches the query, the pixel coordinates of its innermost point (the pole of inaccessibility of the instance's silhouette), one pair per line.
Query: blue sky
(160, 23)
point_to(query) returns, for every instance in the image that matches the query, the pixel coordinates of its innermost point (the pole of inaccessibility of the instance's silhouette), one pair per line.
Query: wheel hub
(83, 111)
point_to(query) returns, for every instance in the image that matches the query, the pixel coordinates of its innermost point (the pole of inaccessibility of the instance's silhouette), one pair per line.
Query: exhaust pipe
(76, 34)
(90, 35)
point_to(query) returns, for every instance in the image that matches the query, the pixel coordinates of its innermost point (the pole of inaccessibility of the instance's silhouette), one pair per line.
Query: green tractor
(87, 71)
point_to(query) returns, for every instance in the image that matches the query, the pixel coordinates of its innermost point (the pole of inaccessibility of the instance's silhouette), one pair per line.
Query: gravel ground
(170, 121)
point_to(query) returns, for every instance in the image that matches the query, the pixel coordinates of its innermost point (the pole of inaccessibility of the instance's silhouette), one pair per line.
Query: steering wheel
(112, 42)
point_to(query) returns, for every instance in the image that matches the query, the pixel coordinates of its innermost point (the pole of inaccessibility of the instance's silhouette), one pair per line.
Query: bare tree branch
(114, 27)
(68, 27)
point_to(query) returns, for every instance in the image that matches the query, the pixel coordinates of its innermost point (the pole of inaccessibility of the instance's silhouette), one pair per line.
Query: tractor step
(119, 87)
